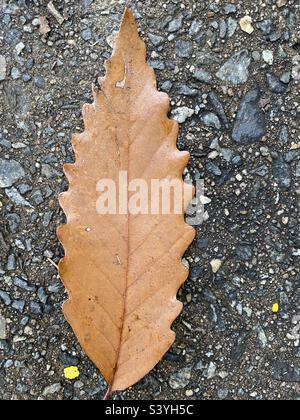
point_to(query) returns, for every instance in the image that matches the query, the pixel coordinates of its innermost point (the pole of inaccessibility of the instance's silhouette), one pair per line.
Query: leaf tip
(128, 20)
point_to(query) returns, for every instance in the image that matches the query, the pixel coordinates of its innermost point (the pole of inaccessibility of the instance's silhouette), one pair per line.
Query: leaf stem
(107, 395)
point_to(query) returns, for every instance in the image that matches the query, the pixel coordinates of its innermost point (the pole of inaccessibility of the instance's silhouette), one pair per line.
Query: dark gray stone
(213, 168)
(13, 220)
(265, 26)
(240, 346)
(283, 371)
(35, 308)
(218, 107)
(244, 252)
(275, 85)
(250, 124)
(282, 173)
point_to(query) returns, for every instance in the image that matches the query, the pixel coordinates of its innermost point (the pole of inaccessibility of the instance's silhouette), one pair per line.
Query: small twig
(54, 12)
(53, 263)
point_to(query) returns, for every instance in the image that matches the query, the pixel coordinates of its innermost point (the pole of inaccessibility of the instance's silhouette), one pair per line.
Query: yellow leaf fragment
(71, 372)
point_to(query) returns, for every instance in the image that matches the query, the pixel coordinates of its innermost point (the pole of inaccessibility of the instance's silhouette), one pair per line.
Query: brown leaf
(123, 272)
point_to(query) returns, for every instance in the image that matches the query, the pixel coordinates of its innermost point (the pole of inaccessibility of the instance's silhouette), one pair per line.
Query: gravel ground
(232, 70)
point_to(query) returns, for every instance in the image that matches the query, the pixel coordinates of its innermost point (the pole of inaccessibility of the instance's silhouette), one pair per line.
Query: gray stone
(282, 173)
(176, 24)
(26, 78)
(182, 89)
(35, 308)
(15, 73)
(37, 197)
(286, 77)
(261, 337)
(2, 68)
(181, 379)
(157, 64)
(265, 26)
(24, 188)
(230, 9)
(87, 34)
(43, 297)
(10, 172)
(232, 24)
(18, 305)
(240, 346)
(250, 124)
(210, 119)
(262, 170)
(298, 170)
(3, 334)
(8, 364)
(211, 371)
(24, 285)
(155, 39)
(203, 76)
(283, 134)
(223, 28)
(39, 82)
(11, 262)
(195, 27)
(4, 296)
(184, 49)
(51, 389)
(16, 197)
(275, 85)
(12, 37)
(167, 86)
(236, 69)
(49, 172)
(182, 114)
(223, 394)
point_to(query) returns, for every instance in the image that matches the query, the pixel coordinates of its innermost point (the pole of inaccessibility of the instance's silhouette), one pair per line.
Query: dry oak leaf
(123, 271)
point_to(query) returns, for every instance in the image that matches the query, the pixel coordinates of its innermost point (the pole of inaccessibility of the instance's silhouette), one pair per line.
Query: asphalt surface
(232, 70)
